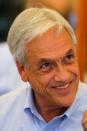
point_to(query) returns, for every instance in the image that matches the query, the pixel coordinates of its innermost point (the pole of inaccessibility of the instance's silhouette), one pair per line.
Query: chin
(66, 101)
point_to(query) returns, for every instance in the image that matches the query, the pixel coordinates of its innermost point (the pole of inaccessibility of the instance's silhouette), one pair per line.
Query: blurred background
(73, 10)
(9, 9)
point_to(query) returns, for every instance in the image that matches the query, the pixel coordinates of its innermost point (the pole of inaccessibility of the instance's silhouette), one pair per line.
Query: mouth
(63, 86)
(63, 89)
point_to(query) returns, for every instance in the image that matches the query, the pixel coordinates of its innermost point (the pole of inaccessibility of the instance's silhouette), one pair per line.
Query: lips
(63, 89)
(62, 86)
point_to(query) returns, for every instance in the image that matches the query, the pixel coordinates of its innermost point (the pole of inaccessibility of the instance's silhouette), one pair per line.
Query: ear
(21, 70)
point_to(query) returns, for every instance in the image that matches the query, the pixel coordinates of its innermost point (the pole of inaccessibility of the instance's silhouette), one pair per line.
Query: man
(43, 46)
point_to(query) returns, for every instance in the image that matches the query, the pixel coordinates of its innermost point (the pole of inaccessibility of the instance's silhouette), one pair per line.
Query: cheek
(44, 79)
(39, 82)
(73, 69)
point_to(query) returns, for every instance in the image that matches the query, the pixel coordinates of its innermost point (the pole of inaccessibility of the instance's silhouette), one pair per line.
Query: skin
(50, 63)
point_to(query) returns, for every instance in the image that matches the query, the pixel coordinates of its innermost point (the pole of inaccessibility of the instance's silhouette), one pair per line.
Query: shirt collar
(29, 104)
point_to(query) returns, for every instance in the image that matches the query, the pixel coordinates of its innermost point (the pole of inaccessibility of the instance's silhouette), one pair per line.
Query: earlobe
(21, 70)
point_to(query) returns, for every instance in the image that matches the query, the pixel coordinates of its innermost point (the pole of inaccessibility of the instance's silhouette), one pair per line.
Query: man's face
(51, 68)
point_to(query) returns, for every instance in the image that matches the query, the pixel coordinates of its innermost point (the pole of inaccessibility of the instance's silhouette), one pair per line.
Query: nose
(62, 74)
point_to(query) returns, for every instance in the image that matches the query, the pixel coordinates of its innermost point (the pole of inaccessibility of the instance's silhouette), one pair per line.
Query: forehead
(50, 44)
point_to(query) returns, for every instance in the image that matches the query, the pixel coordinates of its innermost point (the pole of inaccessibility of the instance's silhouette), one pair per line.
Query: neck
(47, 110)
(48, 114)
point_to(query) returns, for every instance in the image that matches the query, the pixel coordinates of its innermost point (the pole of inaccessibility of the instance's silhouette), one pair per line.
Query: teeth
(62, 87)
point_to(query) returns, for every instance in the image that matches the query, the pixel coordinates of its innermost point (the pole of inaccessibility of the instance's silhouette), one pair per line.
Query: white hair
(31, 23)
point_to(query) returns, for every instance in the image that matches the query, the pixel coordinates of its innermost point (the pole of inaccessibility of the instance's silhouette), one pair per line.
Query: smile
(62, 87)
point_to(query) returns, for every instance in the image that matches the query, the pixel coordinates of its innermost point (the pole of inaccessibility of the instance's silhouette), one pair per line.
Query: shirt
(18, 112)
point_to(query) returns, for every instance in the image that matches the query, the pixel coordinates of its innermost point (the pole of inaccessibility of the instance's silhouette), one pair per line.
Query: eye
(45, 67)
(69, 58)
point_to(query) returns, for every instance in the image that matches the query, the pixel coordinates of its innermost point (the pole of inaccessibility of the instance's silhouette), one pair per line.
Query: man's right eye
(45, 67)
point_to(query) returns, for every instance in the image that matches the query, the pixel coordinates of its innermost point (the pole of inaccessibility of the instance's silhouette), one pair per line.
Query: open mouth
(63, 86)
(63, 89)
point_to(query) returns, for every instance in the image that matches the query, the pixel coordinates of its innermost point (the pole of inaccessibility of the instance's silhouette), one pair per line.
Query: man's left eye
(68, 58)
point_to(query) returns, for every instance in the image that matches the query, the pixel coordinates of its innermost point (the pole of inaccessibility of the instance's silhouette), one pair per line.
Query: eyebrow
(43, 60)
(70, 51)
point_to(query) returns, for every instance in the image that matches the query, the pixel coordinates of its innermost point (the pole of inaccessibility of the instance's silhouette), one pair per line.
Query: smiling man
(52, 71)
(43, 46)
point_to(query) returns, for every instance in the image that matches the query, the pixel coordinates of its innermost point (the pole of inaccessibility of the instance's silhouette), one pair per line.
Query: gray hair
(31, 23)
